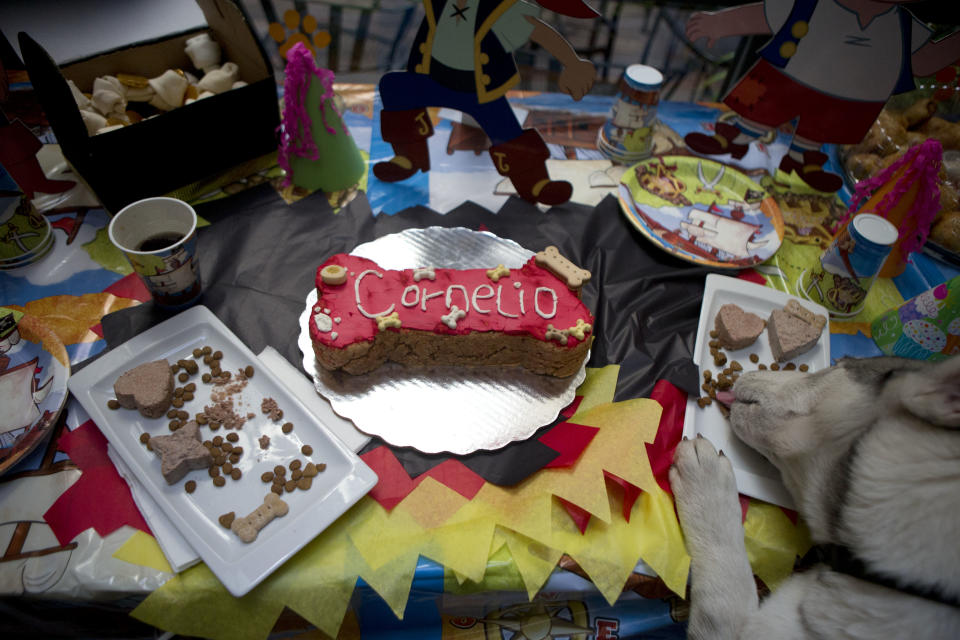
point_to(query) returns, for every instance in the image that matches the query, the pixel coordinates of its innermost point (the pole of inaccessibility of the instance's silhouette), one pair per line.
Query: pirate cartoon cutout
(462, 59)
(830, 64)
(172, 274)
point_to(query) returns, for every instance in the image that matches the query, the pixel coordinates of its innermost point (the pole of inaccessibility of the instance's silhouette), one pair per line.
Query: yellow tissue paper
(142, 549)
(598, 387)
(773, 542)
(195, 603)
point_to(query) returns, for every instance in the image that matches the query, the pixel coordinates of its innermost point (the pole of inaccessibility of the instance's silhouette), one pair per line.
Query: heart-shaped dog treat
(147, 387)
(736, 328)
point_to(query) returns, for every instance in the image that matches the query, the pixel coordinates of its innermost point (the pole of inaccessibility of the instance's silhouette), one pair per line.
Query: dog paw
(705, 491)
(293, 30)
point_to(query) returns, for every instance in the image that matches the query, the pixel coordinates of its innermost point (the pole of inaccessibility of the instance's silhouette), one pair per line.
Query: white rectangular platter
(240, 566)
(755, 475)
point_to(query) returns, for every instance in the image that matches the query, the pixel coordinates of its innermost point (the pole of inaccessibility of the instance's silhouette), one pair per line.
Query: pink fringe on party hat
(296, 135)
(922, 164)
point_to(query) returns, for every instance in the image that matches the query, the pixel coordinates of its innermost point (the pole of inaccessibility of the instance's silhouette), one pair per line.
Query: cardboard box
(178, 147)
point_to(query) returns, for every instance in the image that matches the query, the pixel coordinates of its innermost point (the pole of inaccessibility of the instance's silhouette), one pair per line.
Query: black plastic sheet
(259, 256)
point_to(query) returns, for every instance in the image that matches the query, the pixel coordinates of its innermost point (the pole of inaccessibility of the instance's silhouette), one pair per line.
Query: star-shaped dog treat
(181, 452)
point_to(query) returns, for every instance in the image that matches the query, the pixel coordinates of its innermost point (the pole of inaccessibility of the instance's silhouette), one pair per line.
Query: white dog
(870, 451)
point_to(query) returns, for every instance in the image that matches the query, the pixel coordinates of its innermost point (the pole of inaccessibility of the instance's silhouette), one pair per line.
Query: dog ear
(934, 393)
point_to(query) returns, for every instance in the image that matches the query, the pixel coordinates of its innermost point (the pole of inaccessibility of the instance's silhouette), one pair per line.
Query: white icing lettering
(536, 302)
(517, 285)
(356, 292)
(426, 296)
(450, 319)
(416, 298)
(476, 295)
(523, 311)
(463, 290)
(499, 309)
(337, 319)
(333, 335)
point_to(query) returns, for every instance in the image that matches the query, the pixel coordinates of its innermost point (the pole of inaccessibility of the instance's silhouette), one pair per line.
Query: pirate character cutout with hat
(830, 64)
(462, 59)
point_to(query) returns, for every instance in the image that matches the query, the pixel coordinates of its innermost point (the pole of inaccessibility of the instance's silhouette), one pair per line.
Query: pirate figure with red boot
(830, 64)
(462, 59)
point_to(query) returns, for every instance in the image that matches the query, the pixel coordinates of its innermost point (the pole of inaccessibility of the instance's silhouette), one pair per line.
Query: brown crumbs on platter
(270, 408)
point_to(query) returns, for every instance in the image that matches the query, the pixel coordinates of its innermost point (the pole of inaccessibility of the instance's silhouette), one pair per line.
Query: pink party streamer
(296, 137)
(922, 163)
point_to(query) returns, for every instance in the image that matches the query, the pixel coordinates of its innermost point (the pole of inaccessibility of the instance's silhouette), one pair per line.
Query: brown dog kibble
(287, 427)
(306, 450)
(227, 519)
(249, 527)
(190, 486)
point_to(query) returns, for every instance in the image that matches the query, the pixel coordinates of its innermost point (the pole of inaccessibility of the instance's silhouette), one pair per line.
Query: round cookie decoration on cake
(333, 274)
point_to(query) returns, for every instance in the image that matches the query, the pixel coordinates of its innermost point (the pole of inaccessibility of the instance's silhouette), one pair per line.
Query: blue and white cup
(627, 135)
(850, 264)
(159, 238)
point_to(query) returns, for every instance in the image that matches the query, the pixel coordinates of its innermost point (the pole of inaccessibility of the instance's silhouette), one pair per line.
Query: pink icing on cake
(527, 302)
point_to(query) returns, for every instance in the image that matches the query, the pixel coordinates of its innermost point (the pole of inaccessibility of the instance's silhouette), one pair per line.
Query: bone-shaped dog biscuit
(550, 259)
(247, 528)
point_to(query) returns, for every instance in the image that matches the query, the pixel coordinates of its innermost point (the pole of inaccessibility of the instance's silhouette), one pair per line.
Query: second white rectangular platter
(755, 475)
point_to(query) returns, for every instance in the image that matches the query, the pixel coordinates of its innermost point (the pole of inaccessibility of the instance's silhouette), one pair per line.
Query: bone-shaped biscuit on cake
(551, 259)
(247, 528)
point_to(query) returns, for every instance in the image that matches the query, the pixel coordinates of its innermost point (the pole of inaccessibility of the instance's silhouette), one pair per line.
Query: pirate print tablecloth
(566, 530)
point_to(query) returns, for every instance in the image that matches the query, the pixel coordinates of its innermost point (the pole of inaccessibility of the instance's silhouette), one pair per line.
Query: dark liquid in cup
(160, 241)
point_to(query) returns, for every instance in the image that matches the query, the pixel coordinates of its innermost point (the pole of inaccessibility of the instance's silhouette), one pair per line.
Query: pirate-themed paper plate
(25, 234)
(702, 211)
(34, 368)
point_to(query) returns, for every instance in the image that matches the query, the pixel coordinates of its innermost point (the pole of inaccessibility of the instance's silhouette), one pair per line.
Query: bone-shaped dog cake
(490, 317)
(247, 528)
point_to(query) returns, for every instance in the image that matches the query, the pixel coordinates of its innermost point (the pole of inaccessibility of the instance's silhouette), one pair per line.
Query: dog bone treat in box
(531, 317)
(133, 158)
